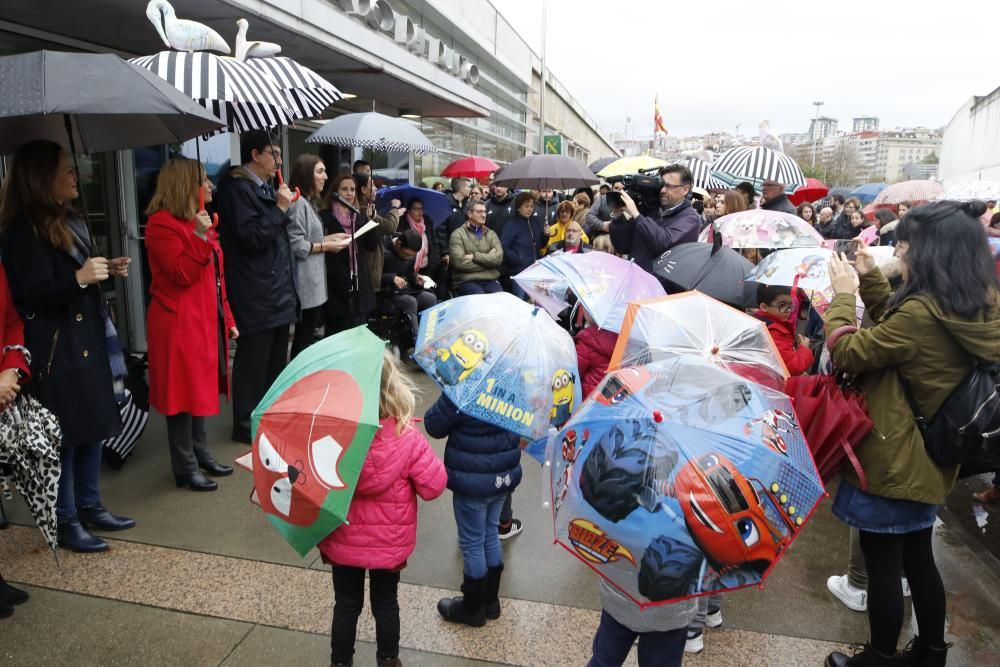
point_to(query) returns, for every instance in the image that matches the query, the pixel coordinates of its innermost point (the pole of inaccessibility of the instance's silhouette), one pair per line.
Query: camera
(643, 188)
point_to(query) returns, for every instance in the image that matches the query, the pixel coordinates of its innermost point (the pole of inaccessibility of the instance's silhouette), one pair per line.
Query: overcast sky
(719, 63)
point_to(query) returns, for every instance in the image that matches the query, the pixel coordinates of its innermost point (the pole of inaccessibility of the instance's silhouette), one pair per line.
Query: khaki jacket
(486, 251)
(932, 351)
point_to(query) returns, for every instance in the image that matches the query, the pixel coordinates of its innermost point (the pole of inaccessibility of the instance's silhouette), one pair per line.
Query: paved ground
(205, 580)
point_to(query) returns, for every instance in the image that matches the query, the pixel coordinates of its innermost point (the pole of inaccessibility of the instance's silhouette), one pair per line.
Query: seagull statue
(180, 34)
(767, 139)
(245, 49)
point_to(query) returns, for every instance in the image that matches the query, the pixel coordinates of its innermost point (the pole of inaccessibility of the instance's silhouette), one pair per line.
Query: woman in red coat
(13, 371)
(189, 320)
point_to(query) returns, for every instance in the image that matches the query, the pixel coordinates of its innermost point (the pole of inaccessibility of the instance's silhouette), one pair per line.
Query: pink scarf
(346, 220)
(421, 228)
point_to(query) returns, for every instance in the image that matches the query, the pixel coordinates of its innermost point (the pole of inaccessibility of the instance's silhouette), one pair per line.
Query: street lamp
(815, 131)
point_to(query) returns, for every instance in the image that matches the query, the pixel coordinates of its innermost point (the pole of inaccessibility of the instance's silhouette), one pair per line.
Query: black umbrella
(711, 269)
(600, 163)
(102, 101)
(545, 172)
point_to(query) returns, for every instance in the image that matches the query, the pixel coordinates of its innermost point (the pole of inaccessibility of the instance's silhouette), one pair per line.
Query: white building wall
(970, 149)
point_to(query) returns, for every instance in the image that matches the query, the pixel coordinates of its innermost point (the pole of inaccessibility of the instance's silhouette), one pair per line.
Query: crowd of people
(258, 266)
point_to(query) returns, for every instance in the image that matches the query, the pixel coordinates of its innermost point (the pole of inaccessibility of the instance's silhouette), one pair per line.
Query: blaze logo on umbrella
(295, 460)
(594, 544)
(771, 423)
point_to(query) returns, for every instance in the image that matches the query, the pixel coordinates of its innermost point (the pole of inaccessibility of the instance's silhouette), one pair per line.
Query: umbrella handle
(281, 181)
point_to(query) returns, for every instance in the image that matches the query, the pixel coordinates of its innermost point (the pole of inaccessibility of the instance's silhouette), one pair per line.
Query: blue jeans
(613, 641)
(478, 520)
(81, 470)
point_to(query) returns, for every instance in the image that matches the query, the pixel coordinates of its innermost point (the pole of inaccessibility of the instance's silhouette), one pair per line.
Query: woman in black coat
(54, 269)
(346, 308)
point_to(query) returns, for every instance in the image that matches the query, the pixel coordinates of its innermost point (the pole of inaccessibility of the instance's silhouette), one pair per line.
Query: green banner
(553, 144)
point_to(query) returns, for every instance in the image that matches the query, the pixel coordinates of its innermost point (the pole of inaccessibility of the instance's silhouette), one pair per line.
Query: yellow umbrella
(630, 165)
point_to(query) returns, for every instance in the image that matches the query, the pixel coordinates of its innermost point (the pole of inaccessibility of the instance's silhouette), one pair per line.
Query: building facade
(822, 127)
(970, 147)
(898, 148)
(865, 124)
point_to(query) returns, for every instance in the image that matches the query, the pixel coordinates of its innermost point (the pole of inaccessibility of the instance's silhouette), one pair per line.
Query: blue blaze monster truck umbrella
(680, 478)
(502, 361)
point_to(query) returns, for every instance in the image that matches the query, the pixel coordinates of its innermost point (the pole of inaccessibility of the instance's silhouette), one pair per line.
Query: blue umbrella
(502, 361)
(436, 205)
(866, 193)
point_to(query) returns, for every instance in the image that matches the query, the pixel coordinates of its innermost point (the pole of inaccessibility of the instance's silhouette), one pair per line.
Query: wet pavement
(978, 522)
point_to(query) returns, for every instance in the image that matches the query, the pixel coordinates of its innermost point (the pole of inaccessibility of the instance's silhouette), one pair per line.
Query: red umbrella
(813, 189)
(869, 211)
(470, 167)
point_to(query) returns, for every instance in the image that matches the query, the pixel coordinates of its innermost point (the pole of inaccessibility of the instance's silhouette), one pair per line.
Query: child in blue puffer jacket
(484, 465)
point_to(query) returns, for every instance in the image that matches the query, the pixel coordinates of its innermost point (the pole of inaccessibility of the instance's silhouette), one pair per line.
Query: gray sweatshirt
(653, 619)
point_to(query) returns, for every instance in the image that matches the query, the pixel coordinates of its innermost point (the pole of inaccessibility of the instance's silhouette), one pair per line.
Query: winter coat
(499, 211)
(646, 238)
(887, 233)
(338, 264)
(482, 460)
(838, 228)
(522, 239)
(433, 250)
(797, 360)
(779, 203)
(304, 230)
(599, 213)
(381, 528)
(394, 266)
(486, 251)
(64, 331)
(443, 231)
(594, 348)
(540, 210)
(388, 224)
(186, 373)
(932, 351)
(259, 269)
(13, 332)
(557, 236)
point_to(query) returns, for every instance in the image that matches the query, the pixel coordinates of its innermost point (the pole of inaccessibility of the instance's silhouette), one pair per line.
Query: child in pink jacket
(381, 528)
(594, 348)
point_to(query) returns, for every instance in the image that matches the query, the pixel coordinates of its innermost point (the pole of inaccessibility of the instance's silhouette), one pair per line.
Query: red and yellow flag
(658, 125)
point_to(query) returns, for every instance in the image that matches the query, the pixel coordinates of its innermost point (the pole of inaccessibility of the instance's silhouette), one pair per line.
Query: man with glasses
(646, 237)
(773, 198)
(775, 310)
(476, 254)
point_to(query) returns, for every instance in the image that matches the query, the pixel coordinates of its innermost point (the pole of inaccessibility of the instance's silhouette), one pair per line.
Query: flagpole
(541, 94)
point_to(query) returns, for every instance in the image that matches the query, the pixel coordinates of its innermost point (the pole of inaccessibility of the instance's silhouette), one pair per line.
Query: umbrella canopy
(804, 267)
(678, 478)
(813, 189)
(981, 190)
(841, 191)
(702, 174)
(311, 434)
(436, 206)
(502, 361)
(545, 172)
(242, 97)
(375, 131)
(709, 268)
(30, 440)
(693, 323)
(912, 191)
(110, 103)
(470, 167)
(759, 228)
(600, 163)
(307, 93)
(757, 164)
(602, 282)
(631, 165)
(545, 286)
(867, 193)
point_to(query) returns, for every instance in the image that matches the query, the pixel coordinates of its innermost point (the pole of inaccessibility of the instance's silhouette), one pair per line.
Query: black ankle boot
(214, 468)
(921, 654)
(73, 536)
(864, 656)
(101, 519)
(6, 610)
(10, 595)
(195, 481)
(492, 597)
(467, 608)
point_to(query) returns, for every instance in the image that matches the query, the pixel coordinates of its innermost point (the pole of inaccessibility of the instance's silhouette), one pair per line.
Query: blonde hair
(603, 244)
(177, 188)
(398, 396)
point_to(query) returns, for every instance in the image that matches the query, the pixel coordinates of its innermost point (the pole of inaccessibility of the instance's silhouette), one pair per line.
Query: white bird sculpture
(245, 49)
(181, 34)
(767, 139)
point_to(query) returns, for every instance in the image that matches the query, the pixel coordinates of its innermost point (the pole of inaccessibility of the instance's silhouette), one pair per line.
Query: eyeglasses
(784, 307)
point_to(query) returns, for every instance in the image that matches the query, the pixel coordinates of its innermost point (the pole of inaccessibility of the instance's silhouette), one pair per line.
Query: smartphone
(848, 247)
(615, 199)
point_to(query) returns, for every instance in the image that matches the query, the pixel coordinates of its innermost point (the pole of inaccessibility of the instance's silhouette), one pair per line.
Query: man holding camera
(644, 237)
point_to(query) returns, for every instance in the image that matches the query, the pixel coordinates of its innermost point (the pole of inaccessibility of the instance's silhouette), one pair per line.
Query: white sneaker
(853, 598)
(714, 618)
(906, 588)
(695, 642)
(515, 529)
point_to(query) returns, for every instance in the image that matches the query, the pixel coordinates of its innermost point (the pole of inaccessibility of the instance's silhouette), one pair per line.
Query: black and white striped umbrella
(702, 175)
(757, 164)
(374, 131)
(242, 97)
(308, 94)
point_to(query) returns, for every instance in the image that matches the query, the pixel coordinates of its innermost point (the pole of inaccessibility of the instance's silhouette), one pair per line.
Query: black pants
(306, 327)
(349, 600)
(260, 357)
(887, 557)
(339, 314)
(186, 437)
